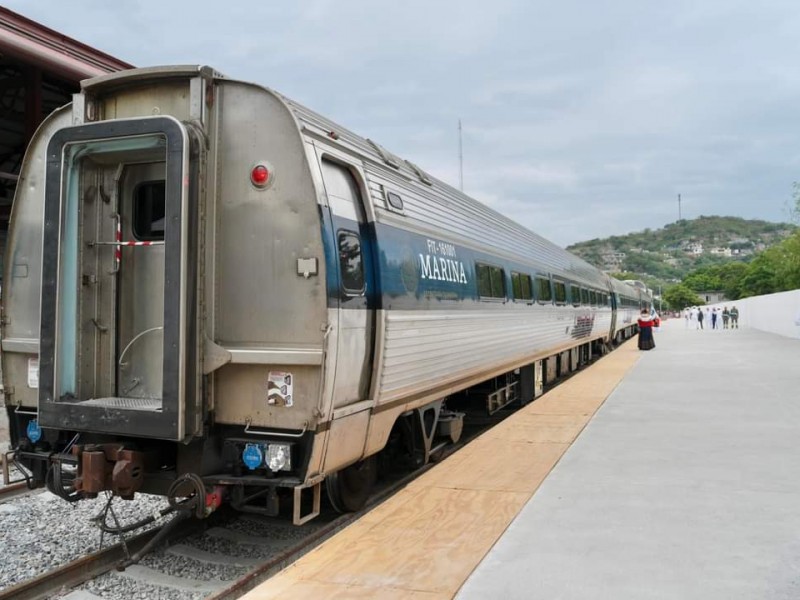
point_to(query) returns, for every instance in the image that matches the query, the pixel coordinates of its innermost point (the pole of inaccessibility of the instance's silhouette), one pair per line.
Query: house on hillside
(721, 251)
(712, 296)
(694, 248)
(612, 261)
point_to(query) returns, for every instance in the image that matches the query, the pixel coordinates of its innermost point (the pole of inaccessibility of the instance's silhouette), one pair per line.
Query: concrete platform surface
(685, 485)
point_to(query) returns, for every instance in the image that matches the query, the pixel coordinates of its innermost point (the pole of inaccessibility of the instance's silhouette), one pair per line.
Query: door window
(149, 211)
(350, 262)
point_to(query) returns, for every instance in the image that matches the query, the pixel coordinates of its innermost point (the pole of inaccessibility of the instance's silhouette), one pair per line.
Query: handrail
(275, 433)
(121, 356)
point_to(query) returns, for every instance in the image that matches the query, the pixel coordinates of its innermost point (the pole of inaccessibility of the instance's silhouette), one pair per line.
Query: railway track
(98, 572)
(219, 548)
(12, 490)
(76, 572)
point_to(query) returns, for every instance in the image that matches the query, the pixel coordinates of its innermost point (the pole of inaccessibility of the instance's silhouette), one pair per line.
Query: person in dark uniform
(734, 318)
(646, 341)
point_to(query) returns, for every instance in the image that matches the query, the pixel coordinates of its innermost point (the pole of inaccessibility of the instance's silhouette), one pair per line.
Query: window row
(628, 302)
(491, 284)
(491, 280)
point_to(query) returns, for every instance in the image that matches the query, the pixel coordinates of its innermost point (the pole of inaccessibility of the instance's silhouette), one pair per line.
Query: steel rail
(76, 572)
(12, 490)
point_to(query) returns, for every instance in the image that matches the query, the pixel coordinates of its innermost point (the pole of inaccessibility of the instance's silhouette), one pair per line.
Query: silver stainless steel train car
(211, 291)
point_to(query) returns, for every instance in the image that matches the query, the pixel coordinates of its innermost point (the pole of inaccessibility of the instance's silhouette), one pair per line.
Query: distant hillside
(668, 254)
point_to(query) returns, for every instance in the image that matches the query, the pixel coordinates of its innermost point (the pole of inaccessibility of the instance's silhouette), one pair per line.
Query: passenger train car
(213, 292)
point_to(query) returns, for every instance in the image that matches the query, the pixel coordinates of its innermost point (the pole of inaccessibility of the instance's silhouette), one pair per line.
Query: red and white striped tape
(118, 239)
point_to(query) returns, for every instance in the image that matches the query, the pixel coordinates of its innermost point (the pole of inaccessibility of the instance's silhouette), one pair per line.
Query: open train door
(118, 317)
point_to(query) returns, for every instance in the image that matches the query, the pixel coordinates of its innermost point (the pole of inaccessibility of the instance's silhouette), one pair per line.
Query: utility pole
(679, 207)
(460, 159)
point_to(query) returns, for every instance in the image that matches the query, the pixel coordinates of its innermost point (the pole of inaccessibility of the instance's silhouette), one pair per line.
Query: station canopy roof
(40, 69)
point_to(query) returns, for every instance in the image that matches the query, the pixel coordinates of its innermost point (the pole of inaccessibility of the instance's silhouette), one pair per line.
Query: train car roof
(455, 212)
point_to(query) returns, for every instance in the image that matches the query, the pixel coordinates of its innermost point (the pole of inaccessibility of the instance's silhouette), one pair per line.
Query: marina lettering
(441, 264)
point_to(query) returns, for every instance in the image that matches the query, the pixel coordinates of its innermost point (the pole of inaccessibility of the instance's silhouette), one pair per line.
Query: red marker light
(259, 176)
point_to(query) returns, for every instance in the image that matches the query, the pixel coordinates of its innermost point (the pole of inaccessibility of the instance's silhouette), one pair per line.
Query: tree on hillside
(726, 277)
(730, 278)
(659, 256)
(702, 280)
(777, 269)
(679, 297)
(760, 278)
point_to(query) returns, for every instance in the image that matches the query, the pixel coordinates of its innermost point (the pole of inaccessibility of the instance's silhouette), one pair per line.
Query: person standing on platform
(714, 318)
(734, 317)
(686, 316)
(726, 316)
(646, 341)
(700, 318)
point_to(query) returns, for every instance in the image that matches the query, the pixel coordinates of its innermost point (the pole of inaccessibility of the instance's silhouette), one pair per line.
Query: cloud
(580, 120)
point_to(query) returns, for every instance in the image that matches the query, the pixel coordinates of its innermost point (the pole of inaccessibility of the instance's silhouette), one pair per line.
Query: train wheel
(349, 488)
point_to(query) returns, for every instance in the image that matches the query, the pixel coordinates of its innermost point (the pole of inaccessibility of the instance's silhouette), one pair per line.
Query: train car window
(584, 296)
(592, 297)
(527, 286)
(352, 266)
(543, 291)
(575, 294)
(149, 211)
(394, 200)
(490, 281)
(521, 286)
(484, 281)
(498, 283)
(560, 292)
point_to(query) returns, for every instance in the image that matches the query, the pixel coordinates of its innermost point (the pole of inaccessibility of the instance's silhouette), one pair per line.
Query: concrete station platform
(684, 484)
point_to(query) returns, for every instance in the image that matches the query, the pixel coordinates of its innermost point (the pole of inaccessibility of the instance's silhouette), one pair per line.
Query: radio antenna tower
(460, 159)
(679, 207)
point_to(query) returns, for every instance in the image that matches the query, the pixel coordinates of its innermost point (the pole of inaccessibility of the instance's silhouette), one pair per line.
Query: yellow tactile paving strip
(425, 541)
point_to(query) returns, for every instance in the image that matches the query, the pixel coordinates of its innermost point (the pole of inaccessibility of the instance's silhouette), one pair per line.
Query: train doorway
(117, 316)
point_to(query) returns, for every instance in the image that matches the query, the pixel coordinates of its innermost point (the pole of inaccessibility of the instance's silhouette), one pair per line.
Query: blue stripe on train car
(412, 271)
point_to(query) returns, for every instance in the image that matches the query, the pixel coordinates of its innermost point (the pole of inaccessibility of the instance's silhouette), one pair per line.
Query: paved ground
(685, 485)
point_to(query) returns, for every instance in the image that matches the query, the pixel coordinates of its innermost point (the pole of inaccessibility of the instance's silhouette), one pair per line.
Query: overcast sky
(580, 119)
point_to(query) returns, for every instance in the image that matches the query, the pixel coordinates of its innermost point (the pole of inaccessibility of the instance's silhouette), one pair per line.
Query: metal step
(143, 404)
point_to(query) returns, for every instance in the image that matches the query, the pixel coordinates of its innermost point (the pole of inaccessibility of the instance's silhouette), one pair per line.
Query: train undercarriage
(213, 470)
